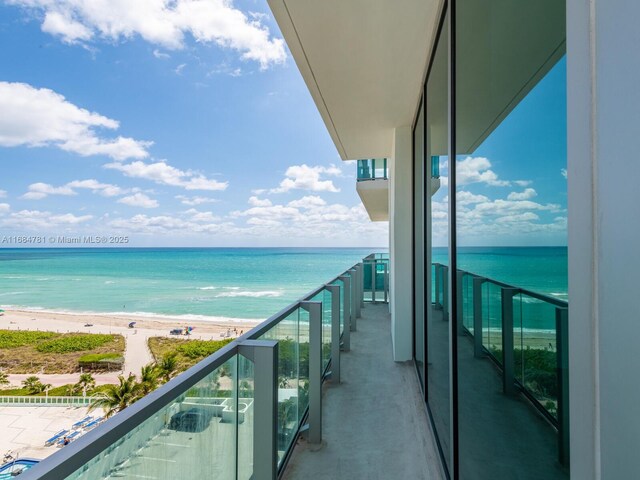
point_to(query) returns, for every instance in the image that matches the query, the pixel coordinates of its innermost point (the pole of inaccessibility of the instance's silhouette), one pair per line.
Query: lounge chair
(56, 437)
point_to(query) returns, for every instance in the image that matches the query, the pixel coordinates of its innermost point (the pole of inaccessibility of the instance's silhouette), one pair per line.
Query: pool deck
(25, 429)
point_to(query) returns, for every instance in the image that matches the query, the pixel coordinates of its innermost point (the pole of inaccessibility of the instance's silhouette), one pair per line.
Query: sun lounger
(57, 436)
(82, 422)
(93, 424)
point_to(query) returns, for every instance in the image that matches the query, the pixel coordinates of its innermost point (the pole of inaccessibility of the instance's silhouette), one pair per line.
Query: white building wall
(604, 235)
(400, 245)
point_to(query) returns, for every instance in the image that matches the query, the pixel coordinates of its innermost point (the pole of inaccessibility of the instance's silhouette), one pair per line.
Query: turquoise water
(216, 283)
(540, 269)
(222, 283)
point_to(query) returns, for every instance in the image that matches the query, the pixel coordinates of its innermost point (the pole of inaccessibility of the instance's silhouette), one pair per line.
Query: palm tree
(115, 398)
(86, 383)
(168, 366)
(34, 385)
(148, 378)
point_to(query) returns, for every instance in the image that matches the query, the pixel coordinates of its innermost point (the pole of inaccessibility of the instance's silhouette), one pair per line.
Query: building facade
(517, 384)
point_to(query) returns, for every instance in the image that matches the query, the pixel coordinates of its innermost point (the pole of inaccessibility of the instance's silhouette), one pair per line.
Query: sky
(512, 190)
(187, 123)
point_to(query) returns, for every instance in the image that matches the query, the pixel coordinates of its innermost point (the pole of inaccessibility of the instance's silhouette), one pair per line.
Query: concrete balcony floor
(375, 423)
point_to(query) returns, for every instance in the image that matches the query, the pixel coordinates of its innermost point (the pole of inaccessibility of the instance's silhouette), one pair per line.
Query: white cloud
(518, 217)
(310, 201)
(464, 197)
(164, 174)
(4, 207)
(39, 220)
(563, 172)
(161, 55)
(162, 23)
(71, 31)
(179, 68)
(304, 177)
(39, 117)
(194, 201)
(477, 170)
(104, 189)
(527, 194)
(257, 202)
(198, 216)
(139, 200)
(3, 194)
(40, 190)
(523, 183)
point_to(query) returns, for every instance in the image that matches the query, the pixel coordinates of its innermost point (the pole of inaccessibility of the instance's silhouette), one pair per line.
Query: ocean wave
(243, 293)
(141, 315)
(208, 288)
(109, 282)
(5, 294)
(559, 294)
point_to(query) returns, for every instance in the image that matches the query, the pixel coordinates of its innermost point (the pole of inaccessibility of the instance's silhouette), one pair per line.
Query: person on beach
(66, 441)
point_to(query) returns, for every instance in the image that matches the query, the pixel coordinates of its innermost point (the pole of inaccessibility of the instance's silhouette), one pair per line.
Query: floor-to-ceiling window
(510, 227)
(436, 244)
(418, 242)
(491, 322)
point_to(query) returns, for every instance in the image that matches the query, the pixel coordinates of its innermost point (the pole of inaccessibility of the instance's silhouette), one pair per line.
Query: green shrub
(101, 357)
(201, 348)
(74, 343)
(19, 338)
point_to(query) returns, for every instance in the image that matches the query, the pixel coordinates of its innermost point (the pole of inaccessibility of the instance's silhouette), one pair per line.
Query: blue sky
(192, 127)
(512, 190)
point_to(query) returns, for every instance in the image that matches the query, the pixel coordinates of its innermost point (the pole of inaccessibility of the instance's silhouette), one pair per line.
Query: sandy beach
(137, 353)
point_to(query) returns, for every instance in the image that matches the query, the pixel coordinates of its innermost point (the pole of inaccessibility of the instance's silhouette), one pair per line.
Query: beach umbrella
(131, 324)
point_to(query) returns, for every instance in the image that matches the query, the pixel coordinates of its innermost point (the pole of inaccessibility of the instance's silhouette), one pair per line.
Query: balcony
(313, 392)
(373, 187)
(239, 413)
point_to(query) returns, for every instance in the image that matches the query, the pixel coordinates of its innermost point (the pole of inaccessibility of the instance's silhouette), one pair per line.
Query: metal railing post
(315, 370)
(353, 300)
(508, 378)
(361, 284)
(373, 280)
(386, 282)
(335, 331)
(437, 303)
(460, 302)
(562, 355)
(346, 336)
(264, 355)
(478, 352)
(445, 291)
(358, 285)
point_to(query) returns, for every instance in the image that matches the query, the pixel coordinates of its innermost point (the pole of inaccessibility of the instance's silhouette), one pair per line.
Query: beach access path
(136, 353)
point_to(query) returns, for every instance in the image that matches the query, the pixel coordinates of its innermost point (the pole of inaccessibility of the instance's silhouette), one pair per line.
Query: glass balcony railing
(524, 333)
(376, 277)
(372, 169)
(235, 415)
(435, 166)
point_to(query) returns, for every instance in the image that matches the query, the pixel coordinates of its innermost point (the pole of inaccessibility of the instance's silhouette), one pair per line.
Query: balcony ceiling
(363, 62)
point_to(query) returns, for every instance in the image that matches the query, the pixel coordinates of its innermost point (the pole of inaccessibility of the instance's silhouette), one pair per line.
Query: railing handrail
(44, 399)
(94, 442)
(530, 293)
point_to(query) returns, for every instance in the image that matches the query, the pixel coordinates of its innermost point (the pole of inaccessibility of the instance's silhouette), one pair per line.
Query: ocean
(224, 283)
